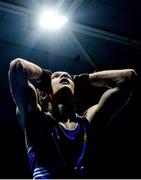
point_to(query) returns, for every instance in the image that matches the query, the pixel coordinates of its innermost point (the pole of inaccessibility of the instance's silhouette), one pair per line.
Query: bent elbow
(132, 79)
(134, 72)
(15, 63)
(128, 79)
(133, 75)
(16, 66)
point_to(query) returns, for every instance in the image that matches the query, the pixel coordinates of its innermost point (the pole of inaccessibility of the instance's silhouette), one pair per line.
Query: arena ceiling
(99, 34)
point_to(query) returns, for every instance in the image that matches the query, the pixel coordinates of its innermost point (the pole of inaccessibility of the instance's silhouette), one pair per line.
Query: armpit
(89, 113)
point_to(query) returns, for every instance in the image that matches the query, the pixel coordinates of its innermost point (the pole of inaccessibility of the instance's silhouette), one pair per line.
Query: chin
(66, 89)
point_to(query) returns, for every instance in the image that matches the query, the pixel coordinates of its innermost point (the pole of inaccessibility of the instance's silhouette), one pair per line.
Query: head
(60, 94)
(62, 88)
(62, 81)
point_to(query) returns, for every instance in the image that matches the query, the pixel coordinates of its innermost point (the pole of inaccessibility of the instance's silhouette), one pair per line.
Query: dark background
(100, 34)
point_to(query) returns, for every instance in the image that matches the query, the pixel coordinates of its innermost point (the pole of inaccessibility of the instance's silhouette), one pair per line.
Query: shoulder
(83, 121)
(90, 113)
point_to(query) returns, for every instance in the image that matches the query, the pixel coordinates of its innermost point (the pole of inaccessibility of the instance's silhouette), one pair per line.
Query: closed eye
(55, 75)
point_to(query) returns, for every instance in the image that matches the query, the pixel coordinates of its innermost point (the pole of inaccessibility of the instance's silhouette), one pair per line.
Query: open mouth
(64, 81)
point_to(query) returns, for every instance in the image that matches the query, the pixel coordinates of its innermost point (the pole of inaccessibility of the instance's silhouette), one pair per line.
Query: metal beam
(81, 48)
(14, 9)
(95, 32)
(91, 31)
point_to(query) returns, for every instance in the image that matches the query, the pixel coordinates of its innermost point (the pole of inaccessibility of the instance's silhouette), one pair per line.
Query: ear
(44, 95)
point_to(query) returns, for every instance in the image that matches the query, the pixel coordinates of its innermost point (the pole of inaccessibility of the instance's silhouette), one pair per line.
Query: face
(61, 80)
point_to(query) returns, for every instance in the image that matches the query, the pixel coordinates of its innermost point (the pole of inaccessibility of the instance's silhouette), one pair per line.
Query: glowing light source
(52, 20)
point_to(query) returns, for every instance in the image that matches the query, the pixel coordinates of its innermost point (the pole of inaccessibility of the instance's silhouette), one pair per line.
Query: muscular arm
(23, 92)
(120, 84)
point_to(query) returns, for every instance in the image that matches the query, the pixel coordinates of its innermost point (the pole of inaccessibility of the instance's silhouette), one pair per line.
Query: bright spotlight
(51, 20)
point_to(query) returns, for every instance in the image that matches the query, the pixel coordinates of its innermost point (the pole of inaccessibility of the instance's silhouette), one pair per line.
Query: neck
(63, 106)
(69, 125)
(64, 113)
